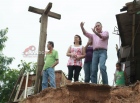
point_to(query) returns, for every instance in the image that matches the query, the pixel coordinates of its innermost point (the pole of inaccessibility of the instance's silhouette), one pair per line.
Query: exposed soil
(87, 93)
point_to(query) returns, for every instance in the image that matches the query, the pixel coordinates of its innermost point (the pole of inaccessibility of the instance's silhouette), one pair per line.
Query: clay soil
(87, 93)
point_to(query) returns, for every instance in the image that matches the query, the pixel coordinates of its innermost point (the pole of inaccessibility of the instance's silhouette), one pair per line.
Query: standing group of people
(95, 54)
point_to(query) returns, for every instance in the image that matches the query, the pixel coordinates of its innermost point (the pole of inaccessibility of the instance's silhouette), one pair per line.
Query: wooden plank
(125, 28)
(19, 88)
(26, 85)
(35, 10)
(41, 11)
(54, 15)
(42, 44)
(133, 33)
(47, 9)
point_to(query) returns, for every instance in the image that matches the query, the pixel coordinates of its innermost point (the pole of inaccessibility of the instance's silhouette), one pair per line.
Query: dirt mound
(87, 93)
(130, 94)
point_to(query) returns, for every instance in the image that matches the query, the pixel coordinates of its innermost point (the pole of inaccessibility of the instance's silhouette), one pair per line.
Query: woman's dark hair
(80, 42)
(51, 43)
(118, 64)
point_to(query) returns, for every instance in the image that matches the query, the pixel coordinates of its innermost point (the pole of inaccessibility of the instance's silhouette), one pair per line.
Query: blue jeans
(48, 74)
(99, 57)
(87, 70)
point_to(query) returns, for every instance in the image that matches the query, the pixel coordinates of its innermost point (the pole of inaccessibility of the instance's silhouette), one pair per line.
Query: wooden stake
(19, 88)
(26, 85)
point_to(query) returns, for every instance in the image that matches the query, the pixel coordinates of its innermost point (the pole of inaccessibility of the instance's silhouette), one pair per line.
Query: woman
(88, 61)
(76, 52)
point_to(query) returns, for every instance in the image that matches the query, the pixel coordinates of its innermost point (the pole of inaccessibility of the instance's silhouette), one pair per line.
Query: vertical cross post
(42, 40)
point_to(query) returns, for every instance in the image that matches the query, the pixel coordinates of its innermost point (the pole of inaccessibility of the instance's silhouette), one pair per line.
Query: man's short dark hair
(99, 23)
(51, 43)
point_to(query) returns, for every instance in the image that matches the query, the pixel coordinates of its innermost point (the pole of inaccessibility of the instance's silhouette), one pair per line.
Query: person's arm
(98, 34)
(84, 31)
(57, 60)
(44, 63)
(104, 35)
(82, 28)
(115, 77)
(83, 52)
(69, 54)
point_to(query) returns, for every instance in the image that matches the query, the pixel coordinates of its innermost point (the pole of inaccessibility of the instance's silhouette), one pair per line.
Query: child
(120, 76)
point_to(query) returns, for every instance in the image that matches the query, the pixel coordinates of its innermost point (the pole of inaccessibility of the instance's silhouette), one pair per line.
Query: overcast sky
(24, 27)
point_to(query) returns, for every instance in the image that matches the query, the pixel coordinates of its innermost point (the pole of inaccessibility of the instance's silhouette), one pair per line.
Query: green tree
(4, 60)
(7, 76)
(7, 84)
(28, 67)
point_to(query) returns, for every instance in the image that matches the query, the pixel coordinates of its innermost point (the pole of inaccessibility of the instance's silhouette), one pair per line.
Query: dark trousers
(74, 71)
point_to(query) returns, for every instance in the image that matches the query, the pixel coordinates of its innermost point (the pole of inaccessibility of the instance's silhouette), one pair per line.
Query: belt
(96, 49)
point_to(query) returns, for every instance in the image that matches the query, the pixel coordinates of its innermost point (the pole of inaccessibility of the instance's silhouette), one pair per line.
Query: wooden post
(42, 40)
(41, 51)
(133, 34)
(18, 90)
(26, 85)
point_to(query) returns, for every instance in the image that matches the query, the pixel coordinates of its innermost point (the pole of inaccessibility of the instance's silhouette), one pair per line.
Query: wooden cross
(42, 40)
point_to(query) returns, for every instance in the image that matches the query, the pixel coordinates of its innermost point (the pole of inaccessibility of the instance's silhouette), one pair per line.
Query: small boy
(120, 76)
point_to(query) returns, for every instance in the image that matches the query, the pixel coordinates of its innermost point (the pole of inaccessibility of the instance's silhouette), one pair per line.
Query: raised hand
(82, 24)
